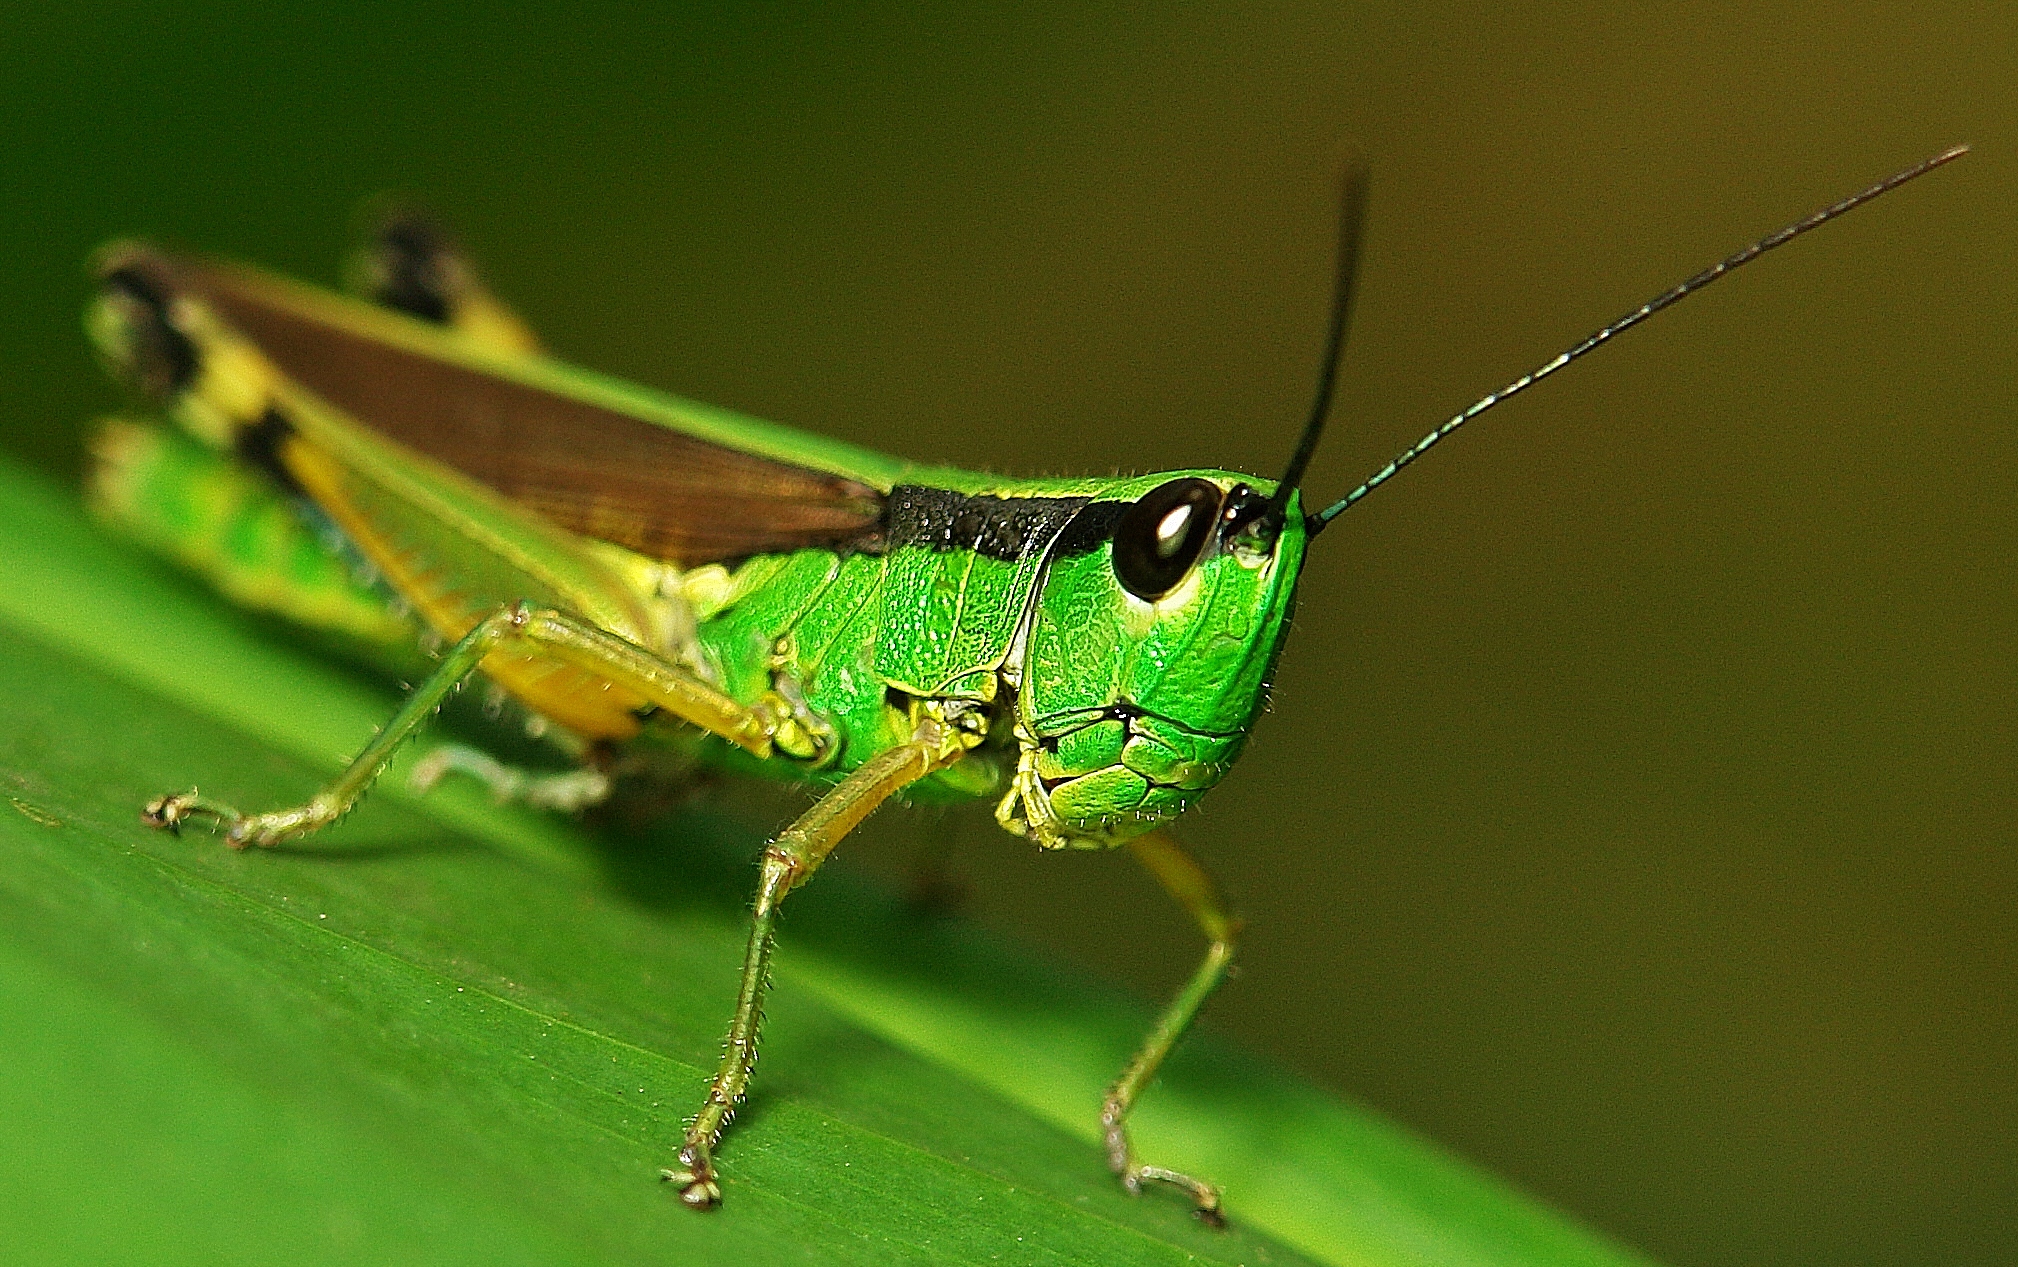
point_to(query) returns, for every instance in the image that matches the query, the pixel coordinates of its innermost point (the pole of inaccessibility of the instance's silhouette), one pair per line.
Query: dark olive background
(1635, 812)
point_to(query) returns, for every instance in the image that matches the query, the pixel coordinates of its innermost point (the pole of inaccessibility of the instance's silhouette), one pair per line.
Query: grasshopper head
(1154, 636)
(1149, 654)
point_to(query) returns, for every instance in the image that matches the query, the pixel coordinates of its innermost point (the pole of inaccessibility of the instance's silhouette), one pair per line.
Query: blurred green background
(1635, 814)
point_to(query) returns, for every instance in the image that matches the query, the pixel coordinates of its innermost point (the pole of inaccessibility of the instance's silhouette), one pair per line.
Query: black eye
(1161, 536)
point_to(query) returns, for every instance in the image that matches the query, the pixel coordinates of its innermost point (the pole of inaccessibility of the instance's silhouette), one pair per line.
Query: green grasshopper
(1089, 653)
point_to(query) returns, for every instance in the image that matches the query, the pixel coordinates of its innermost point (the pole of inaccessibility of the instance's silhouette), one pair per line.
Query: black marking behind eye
(1005, 528)
(161, 360)
(1091, 528)
(1161, 536)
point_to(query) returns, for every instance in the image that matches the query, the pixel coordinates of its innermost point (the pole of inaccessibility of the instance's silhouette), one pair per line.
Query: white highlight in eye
(1170, 530)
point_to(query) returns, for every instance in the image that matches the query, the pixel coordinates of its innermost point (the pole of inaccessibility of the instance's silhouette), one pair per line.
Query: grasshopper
(1091, 653)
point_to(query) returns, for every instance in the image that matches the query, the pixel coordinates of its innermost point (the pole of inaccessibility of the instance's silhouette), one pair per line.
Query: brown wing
(583, 465)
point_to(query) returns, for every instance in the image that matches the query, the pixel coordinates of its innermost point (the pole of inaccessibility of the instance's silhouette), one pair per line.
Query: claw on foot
(696, 1178)
(170, 812)
(166, 812)
(1208, 1210)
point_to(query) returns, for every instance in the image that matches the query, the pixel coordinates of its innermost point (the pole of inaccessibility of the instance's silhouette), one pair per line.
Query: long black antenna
(1351, 223)
(1317, 521)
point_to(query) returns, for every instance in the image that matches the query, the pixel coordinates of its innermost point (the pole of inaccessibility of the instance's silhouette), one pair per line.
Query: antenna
(1351, 223)
(1316, 522)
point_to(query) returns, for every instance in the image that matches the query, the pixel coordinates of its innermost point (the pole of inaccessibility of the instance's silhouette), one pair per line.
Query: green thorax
(1108, 713)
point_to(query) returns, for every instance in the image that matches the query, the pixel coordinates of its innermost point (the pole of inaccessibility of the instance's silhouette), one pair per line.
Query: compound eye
(1160, 537)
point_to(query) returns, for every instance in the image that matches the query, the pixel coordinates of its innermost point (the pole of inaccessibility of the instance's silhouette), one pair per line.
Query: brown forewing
(590, 469)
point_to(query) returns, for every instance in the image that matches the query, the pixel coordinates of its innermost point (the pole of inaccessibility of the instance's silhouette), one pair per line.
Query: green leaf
(451, 1032)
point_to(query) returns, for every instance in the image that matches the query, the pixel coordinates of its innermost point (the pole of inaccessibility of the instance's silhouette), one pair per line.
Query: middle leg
(788, 861)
